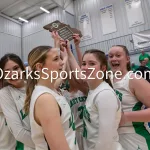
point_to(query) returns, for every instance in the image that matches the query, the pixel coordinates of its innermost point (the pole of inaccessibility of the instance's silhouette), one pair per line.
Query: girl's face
(91, 67)
(53, 64)
(13, 73)
(118, 59)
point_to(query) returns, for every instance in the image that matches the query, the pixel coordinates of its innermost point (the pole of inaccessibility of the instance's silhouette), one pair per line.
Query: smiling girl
(134, 92)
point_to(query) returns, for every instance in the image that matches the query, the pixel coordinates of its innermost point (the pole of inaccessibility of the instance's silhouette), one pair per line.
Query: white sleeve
(107, 105)
(13, 120)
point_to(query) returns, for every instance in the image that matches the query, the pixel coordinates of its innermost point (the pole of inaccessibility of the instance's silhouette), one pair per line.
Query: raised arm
(76, 38)
(75, 68)
(47, 115)
(13, 119)
(58, 43)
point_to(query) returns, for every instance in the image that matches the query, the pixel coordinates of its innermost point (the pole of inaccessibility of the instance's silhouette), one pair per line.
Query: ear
(39, 67)
(128, 58)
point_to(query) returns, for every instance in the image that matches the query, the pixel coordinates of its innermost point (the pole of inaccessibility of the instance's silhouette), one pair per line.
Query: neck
(119, 77)
(93, 84)
(47, 83)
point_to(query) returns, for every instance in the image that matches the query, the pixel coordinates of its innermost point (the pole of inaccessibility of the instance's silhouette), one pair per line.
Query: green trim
(75, 141)
(139, 126)
(20, 146)
(23, 115)
(119, 94)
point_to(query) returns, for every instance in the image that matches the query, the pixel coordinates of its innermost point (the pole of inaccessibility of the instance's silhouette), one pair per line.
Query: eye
(83, 63)
(91, 64)
(110, 56)
(118, 55)
(16, 68)
(56, 58)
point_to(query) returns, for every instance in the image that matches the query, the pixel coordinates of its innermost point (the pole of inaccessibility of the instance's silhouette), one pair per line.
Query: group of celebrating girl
(103, 112)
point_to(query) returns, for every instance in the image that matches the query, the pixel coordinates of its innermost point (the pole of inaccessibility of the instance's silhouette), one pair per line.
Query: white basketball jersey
(92, 121)
(12, 103)
(66, 118)
(7, 140)
(76, 102)
(129, 103)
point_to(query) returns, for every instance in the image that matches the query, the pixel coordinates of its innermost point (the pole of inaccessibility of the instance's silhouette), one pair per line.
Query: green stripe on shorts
(139, 126)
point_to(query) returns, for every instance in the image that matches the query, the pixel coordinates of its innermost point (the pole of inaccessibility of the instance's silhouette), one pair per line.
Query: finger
(65, 50)
(56, 33)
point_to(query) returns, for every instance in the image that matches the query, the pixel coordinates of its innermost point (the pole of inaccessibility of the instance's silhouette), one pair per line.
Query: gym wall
(10, 37)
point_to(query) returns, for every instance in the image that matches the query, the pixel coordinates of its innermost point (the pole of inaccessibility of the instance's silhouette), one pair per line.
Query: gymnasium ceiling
(26, 9)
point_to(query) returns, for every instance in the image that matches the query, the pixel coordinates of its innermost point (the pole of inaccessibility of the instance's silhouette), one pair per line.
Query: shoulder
(46, 101)
(106, 99)
(106, 93)
(4, 92)
(137, 81)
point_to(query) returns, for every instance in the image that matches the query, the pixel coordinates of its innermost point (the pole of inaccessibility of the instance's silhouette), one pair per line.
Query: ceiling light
(23, 20)
(44, 10)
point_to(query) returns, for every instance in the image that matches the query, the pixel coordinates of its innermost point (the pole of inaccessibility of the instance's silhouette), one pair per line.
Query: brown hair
(13, 57)
(100, 55)
(127, 53)
(37, 55)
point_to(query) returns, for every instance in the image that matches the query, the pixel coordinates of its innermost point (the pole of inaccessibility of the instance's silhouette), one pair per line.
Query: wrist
(77, 45)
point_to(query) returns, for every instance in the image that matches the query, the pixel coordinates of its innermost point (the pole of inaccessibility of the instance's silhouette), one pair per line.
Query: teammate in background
(133, 93)
(102, 111)
(7, 140)
(76, 100)
(73, 95)
(52, 123)
(134, 67)
(12, 97)
(143, 71)
(146, 57)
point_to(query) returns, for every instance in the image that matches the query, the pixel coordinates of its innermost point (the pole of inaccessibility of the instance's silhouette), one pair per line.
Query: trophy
(64, 30)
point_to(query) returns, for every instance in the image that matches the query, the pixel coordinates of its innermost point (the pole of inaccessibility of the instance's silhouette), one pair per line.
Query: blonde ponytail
(29, 89)
(37, 55)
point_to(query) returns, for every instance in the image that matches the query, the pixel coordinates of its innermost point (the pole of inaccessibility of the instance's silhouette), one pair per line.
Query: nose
(112, 58)
(85, 67)
(9, 74)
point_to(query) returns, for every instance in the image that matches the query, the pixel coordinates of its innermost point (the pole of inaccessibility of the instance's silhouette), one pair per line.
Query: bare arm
(141, 90)
(76, 38)
(82, 87)
(63, 54)
(48, 116)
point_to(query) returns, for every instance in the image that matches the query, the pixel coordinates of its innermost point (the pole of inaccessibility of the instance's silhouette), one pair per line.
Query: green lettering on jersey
(139, 148)
(23, 115)
(72, 122)
(81, 109)
(77, 100)
(119, 94)
(86, 115)
(84, 130)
